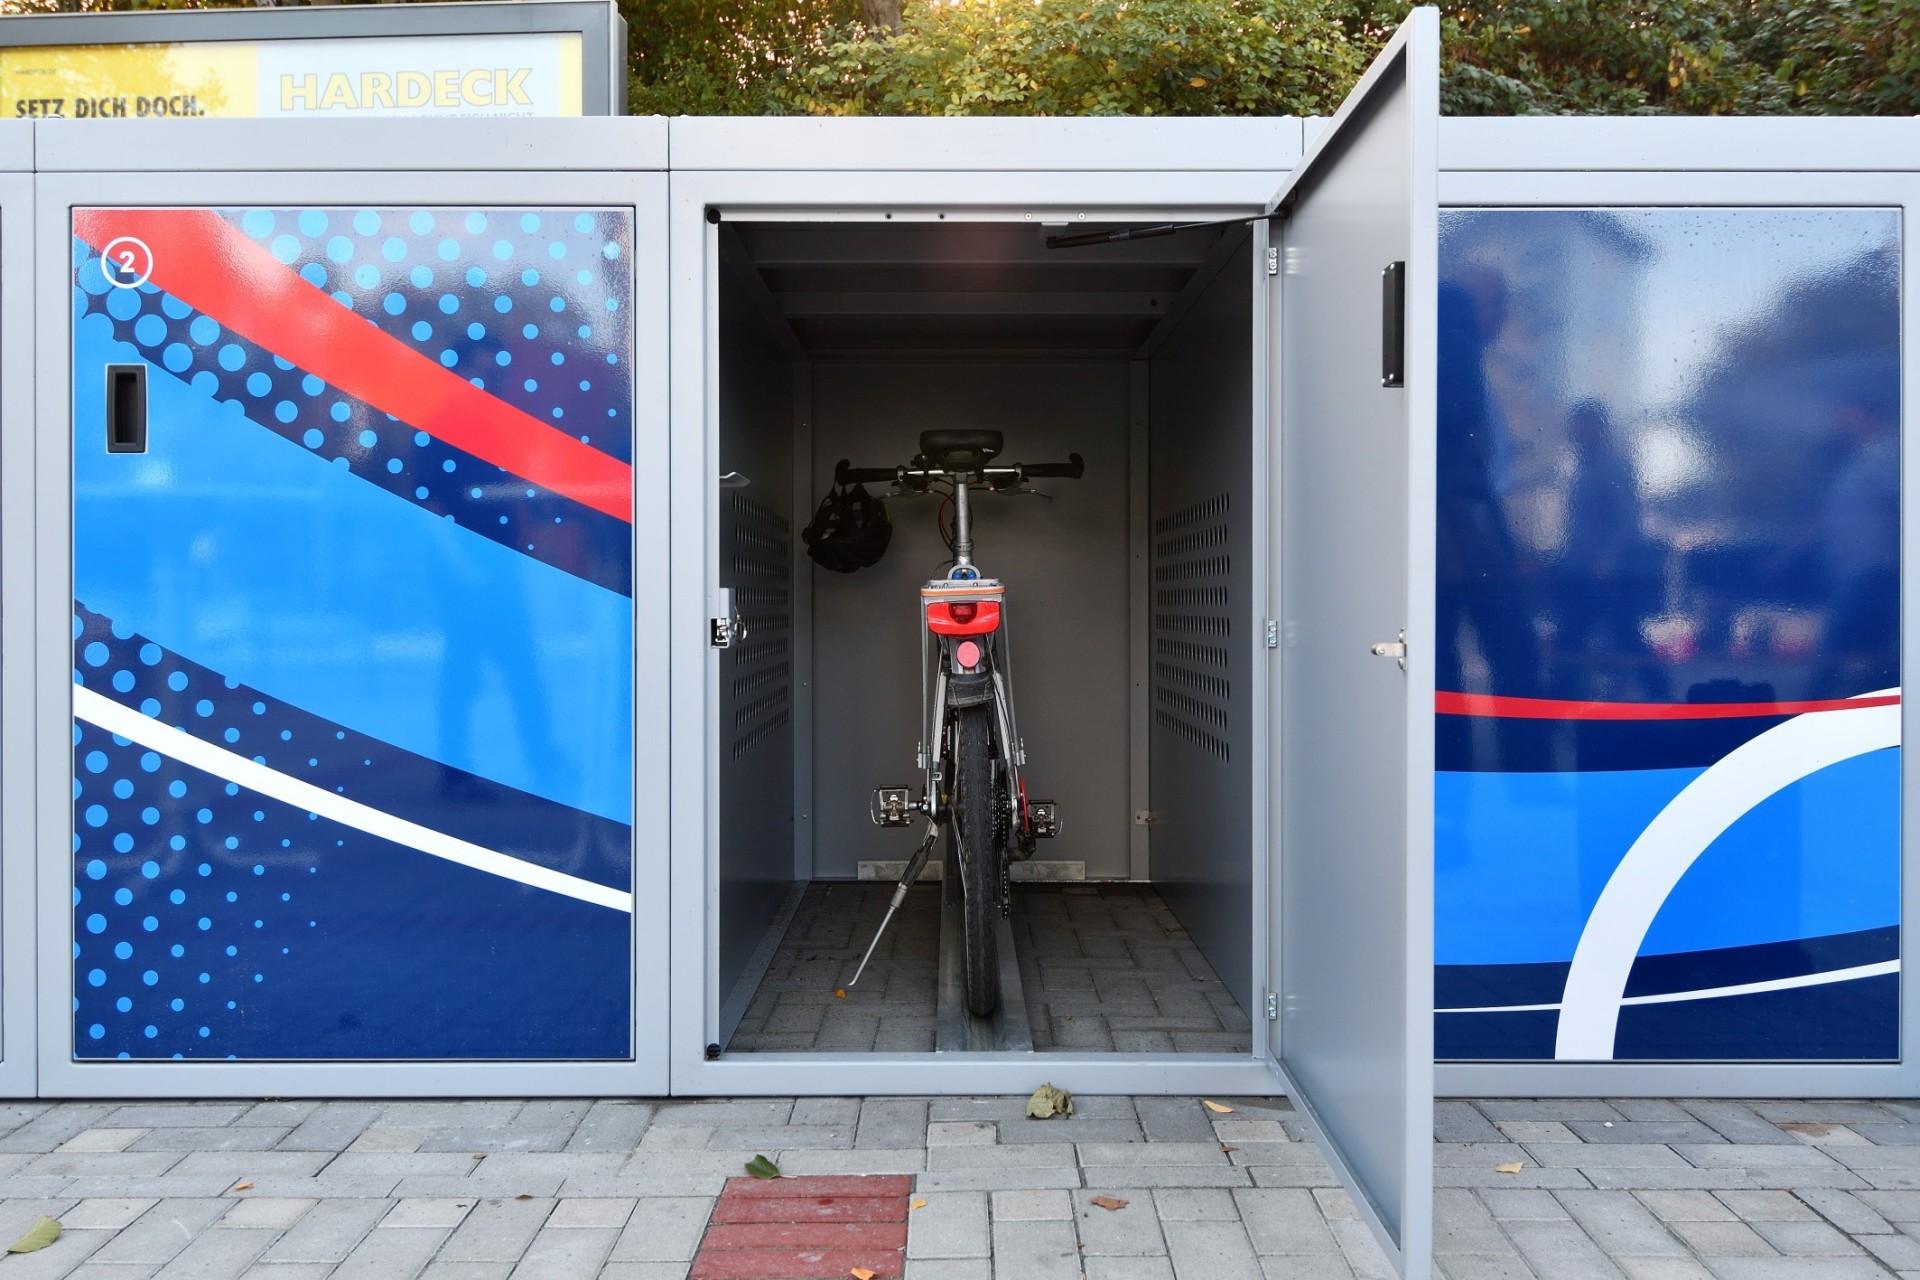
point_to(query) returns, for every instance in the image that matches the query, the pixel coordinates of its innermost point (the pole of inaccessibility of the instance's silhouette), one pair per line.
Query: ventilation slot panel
(758, 668)
(1193, 626)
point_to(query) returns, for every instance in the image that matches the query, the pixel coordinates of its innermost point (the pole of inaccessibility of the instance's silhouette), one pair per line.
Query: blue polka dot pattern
(211, 921)
(448, 294)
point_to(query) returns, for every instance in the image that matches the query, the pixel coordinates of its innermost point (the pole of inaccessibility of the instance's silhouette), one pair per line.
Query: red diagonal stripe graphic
(209, 265)
(1486, 704)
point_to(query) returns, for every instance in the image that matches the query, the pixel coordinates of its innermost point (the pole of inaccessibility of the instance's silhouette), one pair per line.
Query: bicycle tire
(980, 874)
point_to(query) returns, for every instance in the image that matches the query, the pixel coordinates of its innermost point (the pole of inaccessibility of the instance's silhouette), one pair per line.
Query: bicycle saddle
(960, 450)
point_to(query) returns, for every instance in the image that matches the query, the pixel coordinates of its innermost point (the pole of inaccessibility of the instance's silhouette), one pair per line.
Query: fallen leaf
(524, 1196)
(861, 1273)
(918, 1204)
(42, 1233)
(242, 1186)
(1109, 1203)
(1218, 1108)
(840, 993)
(481, 1155)
(1198, 82)
(1229, 1150)
(761, 1167)
(1514, 1167)
(1049, 1101)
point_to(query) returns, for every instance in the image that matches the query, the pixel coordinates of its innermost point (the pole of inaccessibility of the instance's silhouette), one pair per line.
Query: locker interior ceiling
(905, 327)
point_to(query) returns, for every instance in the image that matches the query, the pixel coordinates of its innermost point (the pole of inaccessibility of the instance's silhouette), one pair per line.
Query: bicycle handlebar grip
(845, 475)
(1072, 469)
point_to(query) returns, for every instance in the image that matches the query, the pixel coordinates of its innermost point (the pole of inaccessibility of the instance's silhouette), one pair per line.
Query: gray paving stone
(1133, 1228)
(1210, 1251)
(327, 1232)
(1283, 1220)
(1112, 1268)
(664, 1229)
(48, 1129)
(1894, 1206)
(218, 1255)
(162, 1231)
(1196, 1204)
(391, 1253)
(1458, 1121)
(59, 1258)
(1042, 1250)
(1521, 1202)
(1175, 1175)
(1805, 1239)
(1644, 1131)
(468, 1114)
(584, 1212)
(230, 1138)
(1562, 1249)
(872, 1160)
(1618, 1223)
(101, 1214)
(497, 1230)
(783, 1137)
(101, 1138)
(644, 1271)
(1462, 1225)
(1561, 1109)
(611, 1125)
(278, 1114)
(195, 1115)
(1774, 1206)
(467, 1271)
(946, 1269)
(1754, 1155)
(1032, 1206)
(1073, 1129)
(1664, 1269)
(424, 1211)
(508, 1137)
(735, 1111)
(1174, 1120)
(1733, 1121)
(1797, 1269)
(1468, 1266)
(1723, 1239)
(1900, 1251)
(1625, 1155)
(574, 1254)
(892, 1123)
(1052, 1155)
(331, 1126)
(265, 1211)
(96, 1164)
(952, 1224)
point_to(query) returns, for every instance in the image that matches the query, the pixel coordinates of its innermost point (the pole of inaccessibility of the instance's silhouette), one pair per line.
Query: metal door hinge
(1396, 649)
(1273, 1006)
(1273, 261)
(1273, 633)
(1145, 817)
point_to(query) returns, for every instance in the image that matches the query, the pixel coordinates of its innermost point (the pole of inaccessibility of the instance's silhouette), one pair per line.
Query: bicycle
(970, 753)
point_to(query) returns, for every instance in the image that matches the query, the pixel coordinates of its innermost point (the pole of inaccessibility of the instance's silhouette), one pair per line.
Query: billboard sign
(360, 61)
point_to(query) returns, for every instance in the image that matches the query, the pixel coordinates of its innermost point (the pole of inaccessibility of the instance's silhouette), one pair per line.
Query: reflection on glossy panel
(353, 634)
(1668, 597)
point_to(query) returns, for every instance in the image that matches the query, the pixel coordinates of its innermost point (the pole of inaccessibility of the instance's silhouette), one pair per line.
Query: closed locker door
(352, 632)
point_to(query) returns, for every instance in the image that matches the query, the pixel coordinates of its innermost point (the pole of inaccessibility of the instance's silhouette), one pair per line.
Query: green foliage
(1682, 57)
(1081, 57)
(719, 57)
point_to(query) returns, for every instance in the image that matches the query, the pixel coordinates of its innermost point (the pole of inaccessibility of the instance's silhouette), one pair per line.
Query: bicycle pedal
(893, 807)
(1045, 816)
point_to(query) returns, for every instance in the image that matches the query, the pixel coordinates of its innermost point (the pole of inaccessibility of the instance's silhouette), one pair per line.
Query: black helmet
(850, 531)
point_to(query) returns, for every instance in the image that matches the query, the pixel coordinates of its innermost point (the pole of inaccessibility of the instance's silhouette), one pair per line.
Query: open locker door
(1353, 361)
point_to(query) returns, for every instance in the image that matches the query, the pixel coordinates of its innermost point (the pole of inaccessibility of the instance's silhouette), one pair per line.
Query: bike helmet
(850, 531)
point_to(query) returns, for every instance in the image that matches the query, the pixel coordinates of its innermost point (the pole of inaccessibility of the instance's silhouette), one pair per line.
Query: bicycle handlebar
(1072, 469)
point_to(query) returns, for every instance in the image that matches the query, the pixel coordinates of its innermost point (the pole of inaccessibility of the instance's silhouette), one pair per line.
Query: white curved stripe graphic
(1675, 839)
(179, 745)
(1875, 970)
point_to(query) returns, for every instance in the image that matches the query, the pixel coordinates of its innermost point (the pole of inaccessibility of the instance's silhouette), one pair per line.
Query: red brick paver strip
(807, 1228)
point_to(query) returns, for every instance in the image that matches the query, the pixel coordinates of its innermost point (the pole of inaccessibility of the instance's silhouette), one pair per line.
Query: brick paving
(1106, 968)
(1648, 1189)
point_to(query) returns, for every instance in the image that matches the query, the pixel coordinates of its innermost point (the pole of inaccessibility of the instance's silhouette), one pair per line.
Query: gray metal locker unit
(1254, 494)
(1723, 311)
(16, 626)
(334, 577)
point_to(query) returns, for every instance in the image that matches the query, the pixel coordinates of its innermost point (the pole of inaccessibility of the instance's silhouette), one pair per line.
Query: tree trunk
(882, 16)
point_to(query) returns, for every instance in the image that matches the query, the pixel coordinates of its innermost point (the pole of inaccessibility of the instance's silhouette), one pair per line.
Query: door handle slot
(126, 408)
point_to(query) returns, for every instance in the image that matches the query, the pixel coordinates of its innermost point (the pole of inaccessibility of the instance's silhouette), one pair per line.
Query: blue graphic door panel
(1667, 813)
(353, 628)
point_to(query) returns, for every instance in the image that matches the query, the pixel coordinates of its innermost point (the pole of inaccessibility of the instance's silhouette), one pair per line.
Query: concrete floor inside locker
(1104, 967)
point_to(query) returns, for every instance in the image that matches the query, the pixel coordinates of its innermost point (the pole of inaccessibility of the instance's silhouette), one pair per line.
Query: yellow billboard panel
(520, 74)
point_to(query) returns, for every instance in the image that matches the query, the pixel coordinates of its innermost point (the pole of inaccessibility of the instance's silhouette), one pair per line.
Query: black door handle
(126, 408)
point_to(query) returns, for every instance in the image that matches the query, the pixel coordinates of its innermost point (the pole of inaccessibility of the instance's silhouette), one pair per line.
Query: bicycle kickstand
(914, 866)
